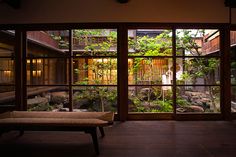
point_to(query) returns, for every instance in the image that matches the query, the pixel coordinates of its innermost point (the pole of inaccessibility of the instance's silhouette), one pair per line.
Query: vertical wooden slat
(18, 68)
(225, 73)
(20, 77)
(122, 88)
(24, 70)
(70, 70)
(174, 69)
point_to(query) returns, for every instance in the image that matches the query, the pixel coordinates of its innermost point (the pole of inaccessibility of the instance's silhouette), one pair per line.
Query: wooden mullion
(174, 70)
(225, 73)
(18, 69)
(122, 87)
(24, 70)
(20, 75)
(70, 70)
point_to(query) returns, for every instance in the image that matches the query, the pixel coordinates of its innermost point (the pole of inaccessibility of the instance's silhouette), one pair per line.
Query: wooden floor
(130, 139)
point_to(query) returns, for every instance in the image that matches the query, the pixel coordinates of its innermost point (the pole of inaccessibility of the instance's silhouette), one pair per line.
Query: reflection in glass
(198, 71)
(7, 71)
(95, 98)
(95, 71)
(42, 71)
(150, 99)
(7, 40)
(150, 42)
(198, 99)
(197, 42)
(48, 43)
(233, 57)
(233, 98)
(233, 69)
(47, 98)
(7, 95)
(95, 42)
(149, 71)
(233, 38)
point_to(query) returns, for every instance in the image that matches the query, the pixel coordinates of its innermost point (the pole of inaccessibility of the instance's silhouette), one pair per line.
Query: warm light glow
(39, 61)
(7, 72)
(100, 60)
(105, 60)
(34, 73)
(37, 73)
(35, 61)
(97, 60)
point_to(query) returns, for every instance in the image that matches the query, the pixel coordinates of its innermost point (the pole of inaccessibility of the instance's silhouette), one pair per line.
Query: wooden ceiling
(13, 3)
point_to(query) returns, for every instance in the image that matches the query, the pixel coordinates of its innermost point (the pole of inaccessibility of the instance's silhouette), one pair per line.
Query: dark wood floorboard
(130, 139)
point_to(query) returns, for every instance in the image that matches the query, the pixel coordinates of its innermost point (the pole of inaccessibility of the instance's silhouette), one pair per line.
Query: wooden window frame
(122, 63)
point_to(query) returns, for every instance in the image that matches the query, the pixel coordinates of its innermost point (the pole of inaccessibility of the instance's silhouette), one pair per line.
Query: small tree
(100, 67)
(197, 67)
(142, 67)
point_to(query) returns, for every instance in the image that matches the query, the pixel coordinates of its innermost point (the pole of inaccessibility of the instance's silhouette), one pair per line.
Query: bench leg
(21, 132)
(1, 132)
(93, 132)
(102, 131)
(95, 140)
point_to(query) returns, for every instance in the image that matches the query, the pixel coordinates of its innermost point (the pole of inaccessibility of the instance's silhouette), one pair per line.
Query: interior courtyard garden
(77, 70)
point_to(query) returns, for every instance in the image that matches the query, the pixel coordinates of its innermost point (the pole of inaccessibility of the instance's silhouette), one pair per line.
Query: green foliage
(186, 39)
(63, 43)
(92, 47)
(160, 45)
(102, 95)
(167, 106)
(99, 67)
(233, 64)
(41, 107)
(182, 102)
(151, 46)
(199, 68)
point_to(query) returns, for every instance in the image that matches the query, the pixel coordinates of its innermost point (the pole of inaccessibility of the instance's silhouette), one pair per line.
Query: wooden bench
(87, 122)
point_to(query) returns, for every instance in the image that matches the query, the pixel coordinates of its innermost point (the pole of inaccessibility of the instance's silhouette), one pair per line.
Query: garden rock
(146, 93)
(38, 104)
(58, 97)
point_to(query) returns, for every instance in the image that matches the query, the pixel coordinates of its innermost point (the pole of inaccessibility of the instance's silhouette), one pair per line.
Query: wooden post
(122, 87)
(225, 73)
(20, 70)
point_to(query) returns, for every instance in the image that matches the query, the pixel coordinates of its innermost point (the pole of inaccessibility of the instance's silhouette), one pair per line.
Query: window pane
(7, 43)
(233, 38)
(95, 98)
(95, 42)
(233, 57)
(42, 71)
(95, 71)
(198, 71)
(7, 71)
(197, 42)
(199, 99)
(48, 43)
(149, 71)
(150, 42)
(7, 95)
(47, 98)
(233, 98)
(150, 99)
(233, 69)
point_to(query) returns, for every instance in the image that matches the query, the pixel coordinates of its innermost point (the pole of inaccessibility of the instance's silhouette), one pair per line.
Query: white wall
(63, 11)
